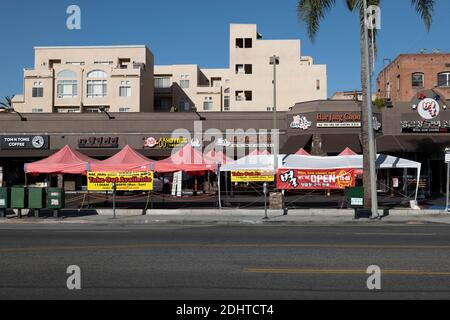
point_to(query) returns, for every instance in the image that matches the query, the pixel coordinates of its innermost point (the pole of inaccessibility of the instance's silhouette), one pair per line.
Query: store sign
(246, 142)
(428, 109)
(25, 142)
(99, 143)
(425, 126)
(137, 181)
(252, 176)
(333, 120)
(165, 143)
(315, 179)
(301, 122)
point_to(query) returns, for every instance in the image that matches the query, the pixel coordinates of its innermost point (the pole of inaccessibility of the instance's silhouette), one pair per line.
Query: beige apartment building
(247, 84)
(88, 79)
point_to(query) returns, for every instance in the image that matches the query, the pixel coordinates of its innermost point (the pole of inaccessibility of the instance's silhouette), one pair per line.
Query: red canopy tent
(302, 152)
(348, 152)
(188, 160)
(127, 160)
(260, 153)
(65, 161)
(219, 157)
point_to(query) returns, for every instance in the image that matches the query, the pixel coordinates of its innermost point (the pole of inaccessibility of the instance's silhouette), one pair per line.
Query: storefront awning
(335, 143)
(413, 143)
(294, 143)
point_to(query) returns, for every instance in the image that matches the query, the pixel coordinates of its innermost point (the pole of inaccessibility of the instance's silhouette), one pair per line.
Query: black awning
(336, 143)
(295, 143)
(413, 143)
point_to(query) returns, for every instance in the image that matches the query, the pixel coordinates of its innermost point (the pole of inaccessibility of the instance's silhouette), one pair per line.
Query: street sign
(447, 155)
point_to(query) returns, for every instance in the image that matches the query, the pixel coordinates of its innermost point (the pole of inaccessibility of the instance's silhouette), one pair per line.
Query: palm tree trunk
(365, 122)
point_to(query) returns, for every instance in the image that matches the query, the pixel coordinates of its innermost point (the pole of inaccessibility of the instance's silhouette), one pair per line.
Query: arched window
(66, 74)
(67, 85)
(418, 80)
(444, 79)
(97, 74)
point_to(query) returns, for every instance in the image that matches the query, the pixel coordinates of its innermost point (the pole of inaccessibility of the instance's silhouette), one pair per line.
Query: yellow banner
(133, 181)
(252, 176)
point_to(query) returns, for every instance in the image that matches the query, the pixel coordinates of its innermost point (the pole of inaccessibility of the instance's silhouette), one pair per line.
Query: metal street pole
(114, 199)
(372, 154)
(275, 60)
(266, 216)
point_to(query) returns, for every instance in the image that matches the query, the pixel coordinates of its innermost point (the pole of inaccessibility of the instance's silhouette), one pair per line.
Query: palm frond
(312, 12)
(425, 8)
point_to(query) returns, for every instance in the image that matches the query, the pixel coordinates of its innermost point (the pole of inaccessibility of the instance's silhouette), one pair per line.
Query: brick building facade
(410, 74)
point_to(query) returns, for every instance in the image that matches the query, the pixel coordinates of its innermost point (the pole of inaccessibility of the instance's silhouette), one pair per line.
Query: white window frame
(61, 87)
(95, 92)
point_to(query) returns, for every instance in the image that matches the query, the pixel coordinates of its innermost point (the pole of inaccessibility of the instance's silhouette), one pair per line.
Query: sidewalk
(230, 217)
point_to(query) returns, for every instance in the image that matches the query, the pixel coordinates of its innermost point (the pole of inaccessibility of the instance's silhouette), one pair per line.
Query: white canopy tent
(265, 162)
(253, 162)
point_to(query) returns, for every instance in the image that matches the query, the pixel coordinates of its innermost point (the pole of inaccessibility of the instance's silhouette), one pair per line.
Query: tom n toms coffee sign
(25, 142)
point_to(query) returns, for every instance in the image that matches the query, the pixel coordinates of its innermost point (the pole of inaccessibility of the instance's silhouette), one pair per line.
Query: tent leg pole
(218, 185)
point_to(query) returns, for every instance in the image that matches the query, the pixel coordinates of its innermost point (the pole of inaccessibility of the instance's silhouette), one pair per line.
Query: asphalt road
(219, 262)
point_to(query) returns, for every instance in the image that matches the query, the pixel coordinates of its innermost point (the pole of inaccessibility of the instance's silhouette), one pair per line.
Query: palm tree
(312, 12)
(7, 104)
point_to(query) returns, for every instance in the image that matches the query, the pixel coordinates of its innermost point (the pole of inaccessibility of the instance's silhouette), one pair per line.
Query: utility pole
(372, 154)
(275, 60)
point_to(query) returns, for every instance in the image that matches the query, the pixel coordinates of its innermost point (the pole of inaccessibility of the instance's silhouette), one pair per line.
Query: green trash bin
(19, 199)
(36, 200)
(5, 200)
(55, 200)
(355, 197)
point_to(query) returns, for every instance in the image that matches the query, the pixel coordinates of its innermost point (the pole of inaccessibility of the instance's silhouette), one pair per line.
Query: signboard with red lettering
(295, 179)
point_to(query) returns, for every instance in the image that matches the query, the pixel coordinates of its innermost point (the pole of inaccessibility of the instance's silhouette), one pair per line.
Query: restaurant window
(124, 109)
(444, 79)
(418, 80)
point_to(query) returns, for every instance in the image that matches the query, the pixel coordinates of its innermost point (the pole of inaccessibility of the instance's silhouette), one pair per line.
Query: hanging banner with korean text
(135, 181)
(295, 179)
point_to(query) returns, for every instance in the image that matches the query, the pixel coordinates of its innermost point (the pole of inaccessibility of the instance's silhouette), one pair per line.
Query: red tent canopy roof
(348, 152)
(260, 153)
(302, 152)
(127, 160)
(65, 161)
(215, 156)
(187, 159)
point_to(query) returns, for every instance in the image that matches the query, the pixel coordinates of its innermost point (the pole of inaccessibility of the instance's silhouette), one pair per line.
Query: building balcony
(126, 72)
(41, 73)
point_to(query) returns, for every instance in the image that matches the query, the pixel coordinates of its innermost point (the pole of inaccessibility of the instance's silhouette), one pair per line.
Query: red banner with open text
(295, 179)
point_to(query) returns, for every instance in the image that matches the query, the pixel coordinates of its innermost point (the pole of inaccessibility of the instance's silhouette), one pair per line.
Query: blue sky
(180, 31)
